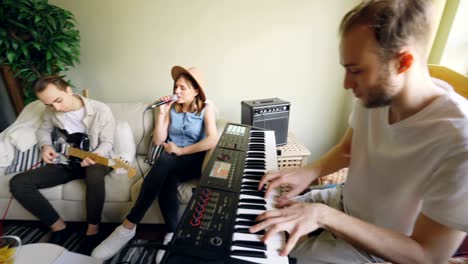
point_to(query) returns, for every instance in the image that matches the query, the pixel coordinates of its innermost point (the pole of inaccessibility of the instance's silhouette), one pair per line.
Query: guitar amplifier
(271, 114)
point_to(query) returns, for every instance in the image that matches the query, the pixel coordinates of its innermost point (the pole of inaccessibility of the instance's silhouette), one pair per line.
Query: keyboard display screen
(220, 170)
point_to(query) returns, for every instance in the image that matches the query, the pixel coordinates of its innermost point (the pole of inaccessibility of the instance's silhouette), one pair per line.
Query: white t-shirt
(73, 121)
(419, 164)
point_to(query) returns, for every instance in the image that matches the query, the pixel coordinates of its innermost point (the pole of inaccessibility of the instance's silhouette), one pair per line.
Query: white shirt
(419, 164)
(73, 121)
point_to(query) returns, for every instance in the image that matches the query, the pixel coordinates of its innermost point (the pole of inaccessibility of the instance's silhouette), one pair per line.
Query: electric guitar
(76, 145)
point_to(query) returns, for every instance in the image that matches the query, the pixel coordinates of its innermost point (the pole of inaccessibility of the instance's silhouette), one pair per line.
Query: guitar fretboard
(76, 152)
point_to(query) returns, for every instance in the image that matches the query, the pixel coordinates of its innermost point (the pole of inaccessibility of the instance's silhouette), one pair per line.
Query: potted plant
(36, 39)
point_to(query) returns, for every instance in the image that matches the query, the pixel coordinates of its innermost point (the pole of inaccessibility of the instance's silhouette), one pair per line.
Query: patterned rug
(138, 250)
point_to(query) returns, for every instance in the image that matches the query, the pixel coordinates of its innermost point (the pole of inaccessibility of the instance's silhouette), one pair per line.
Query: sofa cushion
(133, 114)
(25, 160)
(51, 194)
(141, 166)
(124, 146)
(153, 152)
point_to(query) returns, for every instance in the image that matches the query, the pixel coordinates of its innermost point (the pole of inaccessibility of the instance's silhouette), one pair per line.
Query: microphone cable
(141, 139)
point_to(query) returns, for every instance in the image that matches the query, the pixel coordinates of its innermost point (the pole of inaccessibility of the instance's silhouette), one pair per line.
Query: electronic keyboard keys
(261, 157)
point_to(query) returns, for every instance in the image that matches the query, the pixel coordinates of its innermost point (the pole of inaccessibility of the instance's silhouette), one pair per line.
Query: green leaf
(37, 46)
(48, 55)
(10, 56)
(18, 24)
(24, 48)
(52, 24)
(22, 72)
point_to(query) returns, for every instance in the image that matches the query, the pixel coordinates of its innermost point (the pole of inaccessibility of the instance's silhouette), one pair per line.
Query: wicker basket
(334, 178)
(293, 154)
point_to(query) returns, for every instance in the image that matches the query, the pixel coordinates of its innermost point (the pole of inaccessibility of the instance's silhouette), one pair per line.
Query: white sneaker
(161, 252)
(113, 243)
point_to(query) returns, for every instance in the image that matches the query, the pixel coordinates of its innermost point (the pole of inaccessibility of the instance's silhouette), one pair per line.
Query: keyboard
(214, 226)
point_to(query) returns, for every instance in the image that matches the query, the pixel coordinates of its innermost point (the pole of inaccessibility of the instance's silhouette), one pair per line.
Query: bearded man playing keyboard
(405, 199)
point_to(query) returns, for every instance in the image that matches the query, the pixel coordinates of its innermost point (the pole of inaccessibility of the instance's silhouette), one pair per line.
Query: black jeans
(162, 181)
(25, 189)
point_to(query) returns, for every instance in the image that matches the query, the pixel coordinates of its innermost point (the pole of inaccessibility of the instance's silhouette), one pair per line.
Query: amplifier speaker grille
(271, 114)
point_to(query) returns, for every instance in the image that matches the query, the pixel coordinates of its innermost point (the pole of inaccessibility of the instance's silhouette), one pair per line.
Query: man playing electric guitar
(75, 114)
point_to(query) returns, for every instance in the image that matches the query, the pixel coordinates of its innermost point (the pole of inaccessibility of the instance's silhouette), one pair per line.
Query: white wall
(455, 54)
(248, 49)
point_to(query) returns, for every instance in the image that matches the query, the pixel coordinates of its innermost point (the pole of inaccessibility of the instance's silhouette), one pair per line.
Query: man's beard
(378, 98)
(381, 94)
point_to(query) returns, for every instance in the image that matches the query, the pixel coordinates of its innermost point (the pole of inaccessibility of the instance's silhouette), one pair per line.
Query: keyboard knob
(195, 222)
(216, 241)
(202, 203)
(197, 215)
(200, 209)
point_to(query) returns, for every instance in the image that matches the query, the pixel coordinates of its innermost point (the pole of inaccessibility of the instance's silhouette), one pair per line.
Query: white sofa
(121, 191)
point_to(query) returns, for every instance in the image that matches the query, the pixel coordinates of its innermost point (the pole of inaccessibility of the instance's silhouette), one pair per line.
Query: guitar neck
(76, 152)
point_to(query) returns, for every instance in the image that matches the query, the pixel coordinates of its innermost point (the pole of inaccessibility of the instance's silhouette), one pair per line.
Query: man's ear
(69, 90)
(405, 61)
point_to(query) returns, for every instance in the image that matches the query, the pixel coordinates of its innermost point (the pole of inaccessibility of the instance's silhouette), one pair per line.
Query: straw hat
(194, 73)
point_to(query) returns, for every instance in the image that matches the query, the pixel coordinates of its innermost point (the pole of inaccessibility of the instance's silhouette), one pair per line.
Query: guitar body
(76, 140)
(76, 147)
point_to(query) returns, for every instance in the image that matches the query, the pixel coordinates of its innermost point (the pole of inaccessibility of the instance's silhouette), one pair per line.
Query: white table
(45, 253)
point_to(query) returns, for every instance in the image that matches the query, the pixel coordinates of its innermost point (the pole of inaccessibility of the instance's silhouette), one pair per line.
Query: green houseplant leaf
(37, 39)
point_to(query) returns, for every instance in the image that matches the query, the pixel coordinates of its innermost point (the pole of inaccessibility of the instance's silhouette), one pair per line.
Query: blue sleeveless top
(186, 128)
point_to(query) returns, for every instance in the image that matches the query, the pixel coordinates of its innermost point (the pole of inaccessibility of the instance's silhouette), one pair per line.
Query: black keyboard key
(253, 201)
(255, 166)
(245, 230)
(245, 223)
(249, 183)
(256, 173)
(255, 162)
(250, 188)
(249, 253)
(256, 155)
(254, 193)
(250, 244)
(253, 178)
(256, 149)
(247, 216)
(252, 206)
(258, 134)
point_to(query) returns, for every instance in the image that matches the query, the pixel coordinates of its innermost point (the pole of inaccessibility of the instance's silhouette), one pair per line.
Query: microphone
(160, 102)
